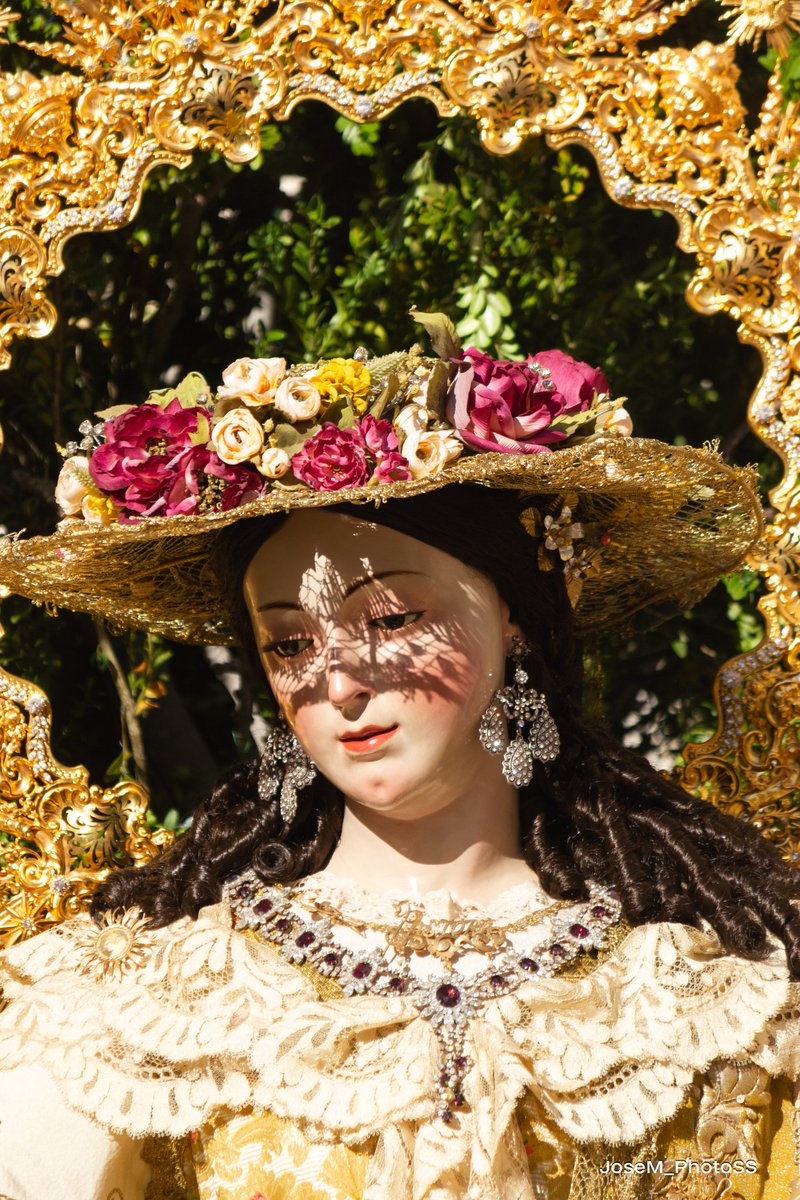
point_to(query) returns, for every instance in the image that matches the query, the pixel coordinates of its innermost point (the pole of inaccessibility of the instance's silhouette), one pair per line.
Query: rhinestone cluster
(37, 739)
(361, 104)
(73, 220)
(447, 1001)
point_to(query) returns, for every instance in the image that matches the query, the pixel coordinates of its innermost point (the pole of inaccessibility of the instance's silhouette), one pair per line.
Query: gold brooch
(118, 944)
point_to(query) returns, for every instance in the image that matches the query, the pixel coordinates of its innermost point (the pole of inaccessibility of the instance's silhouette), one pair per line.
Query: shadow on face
(329, 594)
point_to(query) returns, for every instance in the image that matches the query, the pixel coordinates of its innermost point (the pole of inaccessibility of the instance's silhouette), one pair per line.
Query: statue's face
(382, 653)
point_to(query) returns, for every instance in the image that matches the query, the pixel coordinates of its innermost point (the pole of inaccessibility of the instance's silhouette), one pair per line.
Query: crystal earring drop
(535, 732)
(284, 764)
(492, 730)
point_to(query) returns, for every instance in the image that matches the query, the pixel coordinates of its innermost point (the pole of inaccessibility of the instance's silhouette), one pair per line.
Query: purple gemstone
(262, 908)
(599, 910)
(579, 931)
(458, 1100)
(461, 1065)
(362, 970)
(557, 950)
(448, 995)
(397, 984)
(529, 965)
(497, 981)
(612, 893)
(331, 960)
(444, 1079)
(305, 939)
(447, 1116)
(284, 924)
(244, 892)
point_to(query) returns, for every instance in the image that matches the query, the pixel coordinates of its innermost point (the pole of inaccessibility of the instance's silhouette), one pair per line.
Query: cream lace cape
(214, 1019)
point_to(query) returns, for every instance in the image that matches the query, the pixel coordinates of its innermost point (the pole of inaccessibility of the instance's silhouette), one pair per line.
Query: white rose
(412, 418)
(428, 452)
(237, 437)
(297, 398)
(617, 421)
(73, 485)
(273, 463)
(252, 380)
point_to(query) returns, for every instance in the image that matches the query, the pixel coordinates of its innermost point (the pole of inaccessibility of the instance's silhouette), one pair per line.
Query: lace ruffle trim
(213, 1019)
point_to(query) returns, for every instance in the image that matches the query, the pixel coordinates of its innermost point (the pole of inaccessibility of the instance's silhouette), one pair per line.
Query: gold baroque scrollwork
(144, 85)
(59, 835)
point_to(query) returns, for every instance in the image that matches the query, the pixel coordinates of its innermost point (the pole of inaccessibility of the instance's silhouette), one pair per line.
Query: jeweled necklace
(414, 932)
(448, 1002)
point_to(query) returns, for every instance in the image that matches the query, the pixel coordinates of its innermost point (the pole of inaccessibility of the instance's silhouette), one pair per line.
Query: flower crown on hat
(338, 423)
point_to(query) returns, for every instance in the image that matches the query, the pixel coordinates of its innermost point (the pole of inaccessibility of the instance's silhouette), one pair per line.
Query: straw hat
(635, 524)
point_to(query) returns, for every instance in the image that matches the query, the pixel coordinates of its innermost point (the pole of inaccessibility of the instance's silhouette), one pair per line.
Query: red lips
(368, 738)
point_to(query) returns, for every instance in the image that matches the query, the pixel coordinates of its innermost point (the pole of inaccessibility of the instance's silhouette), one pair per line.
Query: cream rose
(73, 485)
(412, 418)
(428, 452)
(237, 437)
(617, 421)
(252, 380)
(297, 398)
(273, 463)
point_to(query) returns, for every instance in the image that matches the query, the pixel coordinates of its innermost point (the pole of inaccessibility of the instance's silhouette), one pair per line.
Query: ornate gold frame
(150, 82)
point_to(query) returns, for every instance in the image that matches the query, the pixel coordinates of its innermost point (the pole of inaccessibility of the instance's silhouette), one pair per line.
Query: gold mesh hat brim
(676, 518)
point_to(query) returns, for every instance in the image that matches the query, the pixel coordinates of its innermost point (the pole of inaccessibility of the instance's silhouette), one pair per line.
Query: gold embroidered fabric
(215, 1024)
(238, 1157)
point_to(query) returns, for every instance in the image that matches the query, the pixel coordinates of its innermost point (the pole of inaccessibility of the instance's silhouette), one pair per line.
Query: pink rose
(379, 436)
(511, 406)
(392, 466)
(207, 483)
(338, 458)
(576, 381)
(149, 466)
(333, 458)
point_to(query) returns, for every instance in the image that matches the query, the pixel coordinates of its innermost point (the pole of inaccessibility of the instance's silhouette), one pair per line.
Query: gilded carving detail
(60, 835)
(145, 84)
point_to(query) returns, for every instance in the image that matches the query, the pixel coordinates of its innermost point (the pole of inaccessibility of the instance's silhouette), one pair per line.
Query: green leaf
(437, 388)
(116, 410)
(441, 330)
(387, 394)
(203, 432)
(162, 398)
(286, 437)
(226, 405)
(190, 389)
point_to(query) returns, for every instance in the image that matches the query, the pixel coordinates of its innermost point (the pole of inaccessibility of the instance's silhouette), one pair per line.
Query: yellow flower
(99, 509)
(342, 378)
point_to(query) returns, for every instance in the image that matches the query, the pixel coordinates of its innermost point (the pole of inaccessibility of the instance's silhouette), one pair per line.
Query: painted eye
(394, 621)
(287, 647)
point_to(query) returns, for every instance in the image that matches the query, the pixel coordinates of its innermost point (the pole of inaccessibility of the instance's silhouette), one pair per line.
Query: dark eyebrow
(353, 587)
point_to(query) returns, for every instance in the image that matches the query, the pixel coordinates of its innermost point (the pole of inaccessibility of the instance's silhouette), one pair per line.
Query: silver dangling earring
(525, 706)
(284, 764)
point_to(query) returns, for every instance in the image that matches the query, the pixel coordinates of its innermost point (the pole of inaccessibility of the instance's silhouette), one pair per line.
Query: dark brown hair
(599, 811)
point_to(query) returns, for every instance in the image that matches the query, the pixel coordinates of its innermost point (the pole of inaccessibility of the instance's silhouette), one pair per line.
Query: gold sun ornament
(751, 19)
(120, 942)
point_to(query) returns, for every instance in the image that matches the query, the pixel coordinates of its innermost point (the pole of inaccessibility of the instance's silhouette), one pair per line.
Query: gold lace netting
(675, 519)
